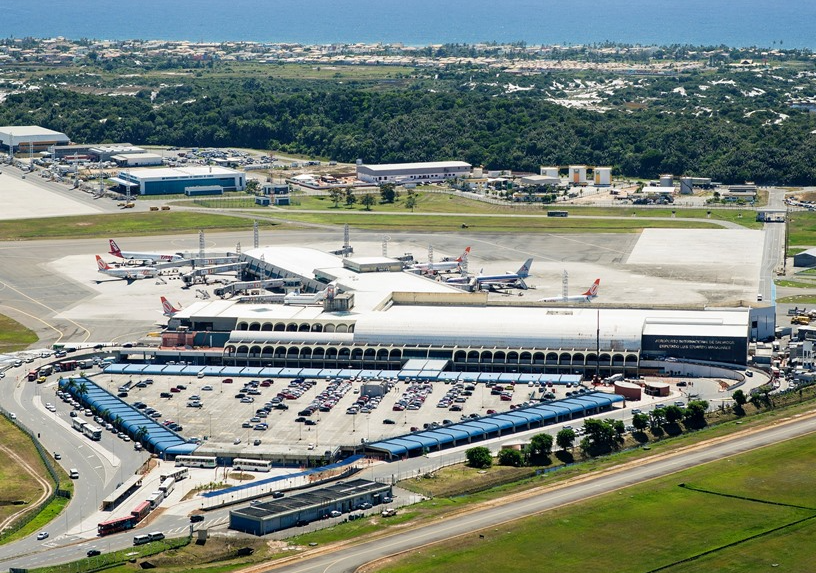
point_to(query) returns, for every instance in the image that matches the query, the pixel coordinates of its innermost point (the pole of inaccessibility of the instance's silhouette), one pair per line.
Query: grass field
(14, 336)
(795, 284)
(658, 524)
(802, 229)
(125, 224)
(18, 486)
(798, 299)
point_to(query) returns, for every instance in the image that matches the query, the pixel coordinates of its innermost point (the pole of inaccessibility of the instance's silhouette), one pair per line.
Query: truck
(800, 319)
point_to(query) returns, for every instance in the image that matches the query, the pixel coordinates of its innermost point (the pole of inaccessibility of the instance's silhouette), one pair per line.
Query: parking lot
(283, 416)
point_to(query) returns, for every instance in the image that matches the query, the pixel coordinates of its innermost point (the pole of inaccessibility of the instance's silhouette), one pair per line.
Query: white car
(42, 535)
(208, 387)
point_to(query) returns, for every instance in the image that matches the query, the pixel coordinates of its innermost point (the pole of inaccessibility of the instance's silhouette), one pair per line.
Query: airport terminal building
(425, 172)
(381, 319)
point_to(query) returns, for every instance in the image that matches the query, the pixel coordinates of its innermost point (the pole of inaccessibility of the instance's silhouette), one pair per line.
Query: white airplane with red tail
(136, 256)
(168, 309)
(130, 274)
(591, 293)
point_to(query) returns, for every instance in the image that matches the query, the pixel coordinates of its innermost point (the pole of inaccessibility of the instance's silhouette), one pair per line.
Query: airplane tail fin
(463, 255)
(114, 248)
(103, 266)
(524, 271)
(593, 290)
(168, 307)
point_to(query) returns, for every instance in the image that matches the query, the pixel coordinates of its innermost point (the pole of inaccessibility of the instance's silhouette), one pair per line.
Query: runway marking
(35, 301)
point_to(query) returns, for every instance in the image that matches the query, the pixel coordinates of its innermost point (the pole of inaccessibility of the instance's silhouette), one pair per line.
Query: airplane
(131, 274)
(153, 257)
(496, 282)
(430, 267)
(591, 293)
(168, 309)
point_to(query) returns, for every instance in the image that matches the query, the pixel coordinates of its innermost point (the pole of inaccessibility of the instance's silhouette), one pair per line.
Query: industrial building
(108, 152)
(413, 172)
(137, 159)
(22, 139)
(380, 318)
(303, 508)
(805, 259)
(180, 179)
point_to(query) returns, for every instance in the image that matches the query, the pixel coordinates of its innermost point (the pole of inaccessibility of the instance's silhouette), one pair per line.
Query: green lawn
(657, 524)
(795, 284)
(120, 225)
(14, 336)
(802, 229)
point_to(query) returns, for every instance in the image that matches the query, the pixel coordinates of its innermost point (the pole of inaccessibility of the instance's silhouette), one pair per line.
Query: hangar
(393, 317)
(170, 180)
(29, 138)
(413, 172)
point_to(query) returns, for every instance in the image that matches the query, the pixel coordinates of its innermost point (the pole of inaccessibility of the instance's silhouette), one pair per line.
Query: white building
(29, 138)
(413, 172)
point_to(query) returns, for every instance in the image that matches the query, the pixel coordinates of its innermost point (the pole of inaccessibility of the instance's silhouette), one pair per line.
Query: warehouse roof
(181, 172)
(420, 165)
(29, 131)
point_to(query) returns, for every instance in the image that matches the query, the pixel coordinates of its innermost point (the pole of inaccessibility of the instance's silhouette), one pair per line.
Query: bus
(115, 525)
(92, 432)
(141, 539)
(241, 464)
(557, 213)
(46, 370)
(155, 499)
(140, 511)
(33, 375)
(196, 461)
(78, 424)
(167, 486)
(67, 365)
(177, 475)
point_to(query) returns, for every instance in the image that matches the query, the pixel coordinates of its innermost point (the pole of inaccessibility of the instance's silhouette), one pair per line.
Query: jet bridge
(242, 286)
(194, 275)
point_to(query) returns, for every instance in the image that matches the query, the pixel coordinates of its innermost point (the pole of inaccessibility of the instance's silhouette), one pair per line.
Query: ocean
(738, 23)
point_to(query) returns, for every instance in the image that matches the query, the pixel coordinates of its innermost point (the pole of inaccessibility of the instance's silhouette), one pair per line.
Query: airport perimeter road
(773, 249)
(350, 558)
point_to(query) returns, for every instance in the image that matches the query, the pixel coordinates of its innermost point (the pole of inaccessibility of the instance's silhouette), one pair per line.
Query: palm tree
(70, 386)
(141, 434)
(82, 388)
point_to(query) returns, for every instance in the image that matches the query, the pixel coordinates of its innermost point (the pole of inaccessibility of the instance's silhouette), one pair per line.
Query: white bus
(196, 461)
(242, 464)
(78, 424)
(92, 432)
(167, 486)
(177, 475)
(155, 499)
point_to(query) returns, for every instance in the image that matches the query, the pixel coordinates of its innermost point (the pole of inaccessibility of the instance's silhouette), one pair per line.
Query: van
(73, 473)
(156, 536)
(141, 539)
(201, 374)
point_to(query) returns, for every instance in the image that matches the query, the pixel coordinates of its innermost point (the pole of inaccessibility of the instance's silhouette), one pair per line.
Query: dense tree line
(418, 124)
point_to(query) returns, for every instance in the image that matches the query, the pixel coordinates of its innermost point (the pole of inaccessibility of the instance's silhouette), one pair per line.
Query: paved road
(773, 248)
(349, 559)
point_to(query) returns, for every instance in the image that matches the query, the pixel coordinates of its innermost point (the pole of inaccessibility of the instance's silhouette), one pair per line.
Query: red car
(175, 390)
(491, 411)
(226, 381)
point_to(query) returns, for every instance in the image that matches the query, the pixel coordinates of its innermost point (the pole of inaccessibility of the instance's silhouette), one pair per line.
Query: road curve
(346, 559)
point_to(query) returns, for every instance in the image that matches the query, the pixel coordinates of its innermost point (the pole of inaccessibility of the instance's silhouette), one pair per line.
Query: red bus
(67, 365)
(33, 375)
(140, 512)
(115, 525)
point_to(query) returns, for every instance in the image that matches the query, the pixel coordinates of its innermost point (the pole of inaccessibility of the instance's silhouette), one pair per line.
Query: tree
(350, 198)
(695, 412)
(541, 445)
(565, 438)
(740, 398)
(367, 201)
(657, 417)
(601, 437)
(640, 422)
(82, 389)
(252, 187)
(336, 195)
(388, 193)
(673, 414)
(410, 202)
(508, 457)
(479, 457)
(141, 434)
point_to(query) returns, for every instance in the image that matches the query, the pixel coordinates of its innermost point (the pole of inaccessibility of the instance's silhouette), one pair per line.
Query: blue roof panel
(390, 447)
(231, 370)
(267, 372)
(456, 432)
(439, 437)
